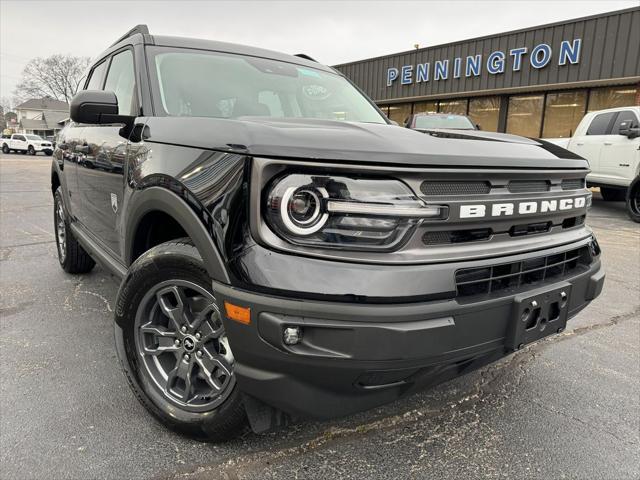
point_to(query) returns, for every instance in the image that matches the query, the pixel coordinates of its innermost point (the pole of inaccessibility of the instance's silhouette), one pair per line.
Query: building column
(502, 115)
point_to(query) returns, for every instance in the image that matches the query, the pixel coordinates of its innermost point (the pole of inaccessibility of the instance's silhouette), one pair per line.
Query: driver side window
(121, 81)
(97, 77)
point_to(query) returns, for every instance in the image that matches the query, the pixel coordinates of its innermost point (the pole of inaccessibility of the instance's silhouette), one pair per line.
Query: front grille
(572, 183)
(455, 188)
(511, 276)
(528, 186)
(456, 236)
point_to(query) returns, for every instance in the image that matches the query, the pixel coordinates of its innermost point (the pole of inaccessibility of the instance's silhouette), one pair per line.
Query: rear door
(101, 180)
(619, 156)
(590, 144)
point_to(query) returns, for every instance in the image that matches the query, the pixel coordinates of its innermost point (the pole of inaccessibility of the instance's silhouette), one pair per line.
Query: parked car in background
(26, 143)
(431, 121)
(610, 141)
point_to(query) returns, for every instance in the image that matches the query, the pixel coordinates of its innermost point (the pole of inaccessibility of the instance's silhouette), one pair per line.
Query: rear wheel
(72, 257)
(633, 201)
(612, 194)
(5, 148)
(172, 345)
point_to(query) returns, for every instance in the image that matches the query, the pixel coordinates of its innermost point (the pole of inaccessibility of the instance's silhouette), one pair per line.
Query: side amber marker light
(239, 314)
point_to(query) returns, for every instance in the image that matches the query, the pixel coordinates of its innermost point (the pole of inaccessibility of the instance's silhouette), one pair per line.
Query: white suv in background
(610, 141)
(26, 143)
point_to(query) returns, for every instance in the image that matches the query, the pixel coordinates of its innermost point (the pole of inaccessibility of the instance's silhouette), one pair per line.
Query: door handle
(579, 144)
(608, 143)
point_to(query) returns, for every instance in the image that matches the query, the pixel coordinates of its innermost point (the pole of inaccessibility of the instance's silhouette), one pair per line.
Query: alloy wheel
(61, 232)
(180, 340)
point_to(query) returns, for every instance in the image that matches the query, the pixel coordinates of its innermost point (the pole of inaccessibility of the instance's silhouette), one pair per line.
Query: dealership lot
(568, 407)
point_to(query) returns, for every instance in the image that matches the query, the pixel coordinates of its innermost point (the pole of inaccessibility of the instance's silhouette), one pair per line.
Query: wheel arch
(163, 203)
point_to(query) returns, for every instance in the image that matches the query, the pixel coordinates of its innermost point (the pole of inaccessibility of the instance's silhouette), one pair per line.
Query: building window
(399, 113)
(611, 97)
(524, 115)
(425, 107)
(457, 107)
(563, 112)
(485, 111)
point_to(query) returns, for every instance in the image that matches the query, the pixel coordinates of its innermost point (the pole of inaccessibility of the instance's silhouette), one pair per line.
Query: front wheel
(633, 201)
(31, 150)
(172, 345)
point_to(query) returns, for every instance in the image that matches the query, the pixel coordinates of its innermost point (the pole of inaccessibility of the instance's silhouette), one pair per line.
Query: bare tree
(57, 76)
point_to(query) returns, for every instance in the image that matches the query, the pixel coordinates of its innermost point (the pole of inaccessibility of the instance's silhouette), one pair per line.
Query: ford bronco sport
(285, 251)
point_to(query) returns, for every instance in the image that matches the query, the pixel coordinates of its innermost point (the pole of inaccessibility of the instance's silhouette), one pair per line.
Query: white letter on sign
(500, 208)
(469, 211)
(527, 207)
(566, 204)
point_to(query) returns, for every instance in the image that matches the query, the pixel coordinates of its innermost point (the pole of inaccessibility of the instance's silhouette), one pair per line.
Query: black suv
(285, 251)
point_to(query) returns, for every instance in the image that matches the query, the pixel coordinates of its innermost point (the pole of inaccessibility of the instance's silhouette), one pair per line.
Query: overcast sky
(332, 32)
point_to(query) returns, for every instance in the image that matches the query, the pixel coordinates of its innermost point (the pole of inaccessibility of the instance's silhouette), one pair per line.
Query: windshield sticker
(308, 73)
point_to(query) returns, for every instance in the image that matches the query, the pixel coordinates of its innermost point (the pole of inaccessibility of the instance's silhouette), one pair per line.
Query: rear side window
(97, 76)
(121, 81)
(600, 125)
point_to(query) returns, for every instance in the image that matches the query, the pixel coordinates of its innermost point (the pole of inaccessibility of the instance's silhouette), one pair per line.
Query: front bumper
(355, 356)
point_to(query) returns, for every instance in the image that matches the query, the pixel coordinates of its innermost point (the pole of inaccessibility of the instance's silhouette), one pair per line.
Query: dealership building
(536, 82)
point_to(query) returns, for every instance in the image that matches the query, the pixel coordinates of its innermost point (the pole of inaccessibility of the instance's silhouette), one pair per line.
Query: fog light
(292, 335)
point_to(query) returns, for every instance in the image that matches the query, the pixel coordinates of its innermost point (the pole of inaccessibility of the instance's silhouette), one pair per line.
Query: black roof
(140, 34)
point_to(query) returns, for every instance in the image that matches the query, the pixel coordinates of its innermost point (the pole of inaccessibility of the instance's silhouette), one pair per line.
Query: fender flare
(155, 198)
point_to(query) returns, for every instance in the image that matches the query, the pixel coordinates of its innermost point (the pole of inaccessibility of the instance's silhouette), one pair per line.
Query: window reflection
(485, 111)
(612, 97)
(425, 107)
(458, 107)
(563, 112)
(524, 116)
(400, 112)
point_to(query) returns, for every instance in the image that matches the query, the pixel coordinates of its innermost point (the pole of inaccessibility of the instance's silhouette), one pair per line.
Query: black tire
(633, 200)
(156, 271)
(49, 153)
(72, 257)
(612, 194)
(5, 148)
(31, 150)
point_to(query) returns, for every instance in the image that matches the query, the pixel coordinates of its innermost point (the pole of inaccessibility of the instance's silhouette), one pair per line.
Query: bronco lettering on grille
(521, 208)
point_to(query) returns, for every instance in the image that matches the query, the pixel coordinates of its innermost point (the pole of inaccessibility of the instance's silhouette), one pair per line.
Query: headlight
(345, 212)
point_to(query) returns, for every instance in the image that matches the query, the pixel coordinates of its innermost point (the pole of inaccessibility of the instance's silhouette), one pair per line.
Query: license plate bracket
(538, 314)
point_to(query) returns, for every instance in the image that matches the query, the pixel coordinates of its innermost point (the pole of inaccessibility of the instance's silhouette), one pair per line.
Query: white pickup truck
(26, 143)
(610, 141)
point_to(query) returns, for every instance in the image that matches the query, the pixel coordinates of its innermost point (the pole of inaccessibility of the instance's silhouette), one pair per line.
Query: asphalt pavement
(567, 407)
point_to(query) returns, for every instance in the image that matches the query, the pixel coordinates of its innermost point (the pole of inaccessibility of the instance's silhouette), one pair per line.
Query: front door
(101, 179)
(589, 145)
(619, 155)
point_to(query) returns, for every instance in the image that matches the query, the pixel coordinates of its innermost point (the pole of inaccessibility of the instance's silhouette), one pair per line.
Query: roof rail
(143, 29)
(305, 56)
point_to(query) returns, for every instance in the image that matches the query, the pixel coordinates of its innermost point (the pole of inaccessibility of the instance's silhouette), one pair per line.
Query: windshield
(34, 137)
(212, 84)
(444, 121)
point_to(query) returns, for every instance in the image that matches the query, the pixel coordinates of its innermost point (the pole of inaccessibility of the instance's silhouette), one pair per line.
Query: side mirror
(90, 106)
(478, 126)
(628, 130)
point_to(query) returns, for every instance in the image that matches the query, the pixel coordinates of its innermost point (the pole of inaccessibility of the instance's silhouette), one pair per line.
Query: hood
(327, 140)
